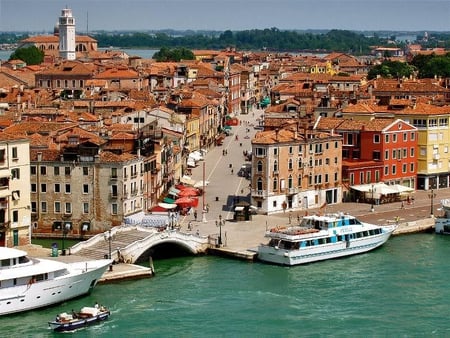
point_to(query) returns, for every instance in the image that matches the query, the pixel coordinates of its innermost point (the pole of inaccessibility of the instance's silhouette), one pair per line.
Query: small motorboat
(75, 320)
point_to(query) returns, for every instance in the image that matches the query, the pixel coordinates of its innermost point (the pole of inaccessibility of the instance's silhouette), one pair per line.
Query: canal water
(399, 290)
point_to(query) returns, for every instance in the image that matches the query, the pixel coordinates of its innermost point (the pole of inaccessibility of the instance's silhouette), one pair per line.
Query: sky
(220, 15)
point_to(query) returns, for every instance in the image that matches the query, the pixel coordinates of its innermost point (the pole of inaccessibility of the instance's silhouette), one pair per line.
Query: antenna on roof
(87, 23)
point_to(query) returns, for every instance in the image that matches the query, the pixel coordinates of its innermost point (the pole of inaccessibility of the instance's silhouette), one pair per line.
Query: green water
(399, 290)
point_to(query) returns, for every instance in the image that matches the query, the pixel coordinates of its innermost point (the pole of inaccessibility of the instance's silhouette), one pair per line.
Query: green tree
(31, 55)
(175, 55)
(391, 69)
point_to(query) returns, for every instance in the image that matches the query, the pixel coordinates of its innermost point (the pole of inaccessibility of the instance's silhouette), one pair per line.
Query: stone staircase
(122, 239)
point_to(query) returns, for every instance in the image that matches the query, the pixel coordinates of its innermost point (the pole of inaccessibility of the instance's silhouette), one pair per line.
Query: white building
(15, 213)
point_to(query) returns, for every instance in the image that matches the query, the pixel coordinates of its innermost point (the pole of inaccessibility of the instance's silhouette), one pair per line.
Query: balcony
(259, 193)
(113, 178)
(291, 191)
(113, 196)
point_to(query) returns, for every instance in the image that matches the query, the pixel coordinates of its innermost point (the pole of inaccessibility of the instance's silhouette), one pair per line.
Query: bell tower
(67, 35)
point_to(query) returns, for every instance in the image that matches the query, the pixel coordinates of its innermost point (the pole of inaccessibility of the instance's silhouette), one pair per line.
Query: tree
(175, 55)
(391, 69)
(31, 55)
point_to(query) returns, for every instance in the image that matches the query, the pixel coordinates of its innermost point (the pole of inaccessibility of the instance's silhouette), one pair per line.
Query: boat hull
(81, 278)
(442, 226)
(274, 255)
(79, 323)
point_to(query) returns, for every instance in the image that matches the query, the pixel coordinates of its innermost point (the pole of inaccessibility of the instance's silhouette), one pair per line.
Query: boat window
(23, 259)
(315, 242)
(371, 232)
(340, 238)
(328, 240)
(321, 240)
(365, 233)
(5, 262)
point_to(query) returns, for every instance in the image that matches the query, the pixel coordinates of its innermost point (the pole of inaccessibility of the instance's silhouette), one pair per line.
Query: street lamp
(220, 223)
(108, 237)
(372, 208)
(66, 228)
(431, 195)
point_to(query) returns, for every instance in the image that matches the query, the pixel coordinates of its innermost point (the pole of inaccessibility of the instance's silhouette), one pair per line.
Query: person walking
(195, 215)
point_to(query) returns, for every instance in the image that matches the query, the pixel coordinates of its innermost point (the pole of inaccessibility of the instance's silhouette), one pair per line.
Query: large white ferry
(29, 283)
(322, 237)
(442, 224)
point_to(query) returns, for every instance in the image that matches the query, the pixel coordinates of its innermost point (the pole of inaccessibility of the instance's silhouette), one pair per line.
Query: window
(411, 167)
(85, 171)
(114, 172)
(275, 184)
(394, 169)
(14, 153)
(68, 208)
(114, 209)
(260, 152)
(15, 216)
(386, 154)
(394, 138)
(33, 207)
(57, 207)
(85, 188)
(291, 150)
(43, 206)
(275, 151)
(376, 155)
(405, 137)
(413, 136)
(15, 195)
(15, 173)
(43, 187)
(386, 138)
(376, 138)
(259, 167)
(43, 170)
(33, 187)
(57, 187)
(85, 208)
(56, 171)
(411, 152)
(275, 166)
(290, 165)
(404, 168)
(300, 149)
(2, 155)
(67, 189)
(394, 153)
(33, 170)
(114, 190)
(386, 170)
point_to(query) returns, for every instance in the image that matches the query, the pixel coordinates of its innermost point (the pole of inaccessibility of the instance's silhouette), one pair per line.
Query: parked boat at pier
(29, 283)
(320, 238)
(442, 224)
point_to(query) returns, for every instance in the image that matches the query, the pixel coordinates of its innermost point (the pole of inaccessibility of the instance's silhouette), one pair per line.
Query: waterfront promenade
(226, 186)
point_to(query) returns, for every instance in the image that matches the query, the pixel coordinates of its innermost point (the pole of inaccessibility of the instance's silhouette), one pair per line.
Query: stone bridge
(128, 243)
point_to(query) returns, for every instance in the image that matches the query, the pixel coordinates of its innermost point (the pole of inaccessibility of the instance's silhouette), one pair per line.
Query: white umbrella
(199, 184)
(167, 205)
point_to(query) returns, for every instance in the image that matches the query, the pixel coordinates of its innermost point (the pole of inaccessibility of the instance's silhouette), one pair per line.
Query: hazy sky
(405, 15)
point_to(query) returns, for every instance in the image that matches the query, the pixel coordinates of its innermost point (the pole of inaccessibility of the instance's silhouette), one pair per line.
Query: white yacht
(29, 283)
(322, 237)
(442, 224)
